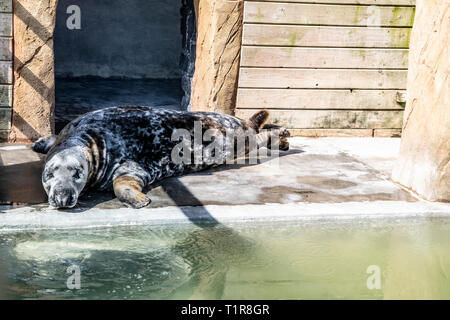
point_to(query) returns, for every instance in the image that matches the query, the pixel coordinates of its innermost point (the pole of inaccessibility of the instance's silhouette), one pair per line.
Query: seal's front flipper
(128, 181)
(42, 145)
(128, 190)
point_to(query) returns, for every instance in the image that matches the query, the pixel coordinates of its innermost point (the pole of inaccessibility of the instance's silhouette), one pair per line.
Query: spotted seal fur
(128, 149)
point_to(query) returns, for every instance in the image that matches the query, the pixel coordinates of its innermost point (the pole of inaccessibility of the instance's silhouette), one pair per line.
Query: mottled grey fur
(128, 143)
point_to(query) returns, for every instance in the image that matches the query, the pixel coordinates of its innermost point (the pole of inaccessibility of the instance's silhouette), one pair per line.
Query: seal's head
(65, 175)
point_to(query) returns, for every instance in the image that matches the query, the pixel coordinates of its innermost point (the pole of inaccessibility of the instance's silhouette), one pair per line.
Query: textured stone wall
(424, 161)
(34, 92)
(219, 35)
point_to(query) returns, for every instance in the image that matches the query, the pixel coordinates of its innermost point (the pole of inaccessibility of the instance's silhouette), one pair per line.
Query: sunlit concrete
(328, 177)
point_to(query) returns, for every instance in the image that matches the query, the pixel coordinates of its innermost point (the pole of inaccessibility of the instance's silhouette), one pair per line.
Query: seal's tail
(42, 145)
(258, 120)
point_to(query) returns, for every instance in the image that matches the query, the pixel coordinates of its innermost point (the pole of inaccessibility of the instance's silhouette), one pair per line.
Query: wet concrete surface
(76, 96)
(312, 171)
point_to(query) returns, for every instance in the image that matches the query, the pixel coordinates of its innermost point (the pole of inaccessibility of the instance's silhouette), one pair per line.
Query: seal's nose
(64, 198)
(284, 146)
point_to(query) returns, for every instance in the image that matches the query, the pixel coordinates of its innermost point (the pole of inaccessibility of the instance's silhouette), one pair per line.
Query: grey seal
(130, 148)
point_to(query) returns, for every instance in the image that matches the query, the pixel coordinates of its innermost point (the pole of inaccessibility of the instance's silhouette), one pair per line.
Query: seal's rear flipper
(258, 120)
(283, 135)
(42, 145)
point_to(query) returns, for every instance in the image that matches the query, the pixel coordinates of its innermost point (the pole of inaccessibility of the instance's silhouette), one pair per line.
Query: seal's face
(64, 177)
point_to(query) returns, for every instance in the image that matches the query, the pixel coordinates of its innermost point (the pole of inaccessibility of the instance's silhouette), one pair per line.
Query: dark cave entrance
(127, 52)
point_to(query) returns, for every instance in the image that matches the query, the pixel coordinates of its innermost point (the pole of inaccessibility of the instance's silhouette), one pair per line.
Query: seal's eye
(48, 176)
(76, 175)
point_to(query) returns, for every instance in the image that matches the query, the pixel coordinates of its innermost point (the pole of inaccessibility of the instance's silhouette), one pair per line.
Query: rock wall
(424, 160)
(34, 85)
(219, 35)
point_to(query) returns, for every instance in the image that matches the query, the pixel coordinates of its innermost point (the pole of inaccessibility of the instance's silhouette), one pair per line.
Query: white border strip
(27, 218)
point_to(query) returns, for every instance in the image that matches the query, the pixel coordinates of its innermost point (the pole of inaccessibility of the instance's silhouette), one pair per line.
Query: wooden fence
(6, 71)
(326, 67)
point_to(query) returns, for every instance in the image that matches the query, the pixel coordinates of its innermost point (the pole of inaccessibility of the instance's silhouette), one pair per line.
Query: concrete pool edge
(23, 219)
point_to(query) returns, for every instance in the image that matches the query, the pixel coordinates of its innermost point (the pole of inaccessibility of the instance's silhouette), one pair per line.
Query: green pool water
(328, 259)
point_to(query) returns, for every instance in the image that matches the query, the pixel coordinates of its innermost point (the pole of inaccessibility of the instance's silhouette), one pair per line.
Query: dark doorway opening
(127, 52)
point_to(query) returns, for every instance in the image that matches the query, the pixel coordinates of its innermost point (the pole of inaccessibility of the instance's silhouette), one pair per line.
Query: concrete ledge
(329, 178)
(20, 219)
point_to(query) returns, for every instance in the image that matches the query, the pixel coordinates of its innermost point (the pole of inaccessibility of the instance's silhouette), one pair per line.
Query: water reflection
(303, 260)
(210, 252)
(130, 263)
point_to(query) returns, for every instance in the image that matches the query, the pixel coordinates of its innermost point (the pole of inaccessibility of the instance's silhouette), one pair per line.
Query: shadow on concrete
(181, 195)
(246, 164)
(21, 183)
(171, 191)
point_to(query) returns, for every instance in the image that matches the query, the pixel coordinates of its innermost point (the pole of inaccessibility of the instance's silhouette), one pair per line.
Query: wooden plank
(6, 72)
(324, 57)
(322, 78)
(5, 118)
(5, 5)
(387, 133)
(342, 133)
(318, 14)
(5, 49)
(317, 99)
(320, 36)
(330, 119)
(6, 24)
(366, 2)
(6, 95)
